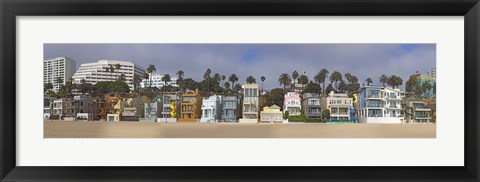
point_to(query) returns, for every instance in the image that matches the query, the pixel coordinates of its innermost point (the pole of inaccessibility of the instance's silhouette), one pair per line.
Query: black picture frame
(10, 9)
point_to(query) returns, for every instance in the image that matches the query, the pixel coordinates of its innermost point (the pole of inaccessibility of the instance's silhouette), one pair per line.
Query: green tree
(117, 67)
(303, 79)
(263, 79)
(383, 79)
(426, 86)
(59, 81)
(369, 81)
(275, 96)
(284, 80)
(223, 79)
(227, 86)
(136, 81)
(146, 76)
(237, 88)
(294, 76)
(233, 78)
(250, 80)
(312, 88)
(180, 74)
(326, 114)
(342, 87)
(150, 69)
(189, 84)
(206, 77)
(84, 87)
(394, 81)
(321, 77)
(286, 114)
(411, 83)
(166, 78)
(335, 78)
(329, 88)
(47, 86)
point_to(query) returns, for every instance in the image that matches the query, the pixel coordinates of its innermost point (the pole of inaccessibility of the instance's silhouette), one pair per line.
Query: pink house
(292, 103)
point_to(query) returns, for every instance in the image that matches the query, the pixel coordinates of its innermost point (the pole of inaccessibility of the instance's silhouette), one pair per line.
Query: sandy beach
(125, 129)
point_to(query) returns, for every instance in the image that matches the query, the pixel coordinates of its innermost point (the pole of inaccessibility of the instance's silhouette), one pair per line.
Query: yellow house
(271, 114)
(114, 108)
(190, 107)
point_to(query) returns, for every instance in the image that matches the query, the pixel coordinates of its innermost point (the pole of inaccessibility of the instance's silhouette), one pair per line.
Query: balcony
(376, 105)
(394, 107)
(374, 96)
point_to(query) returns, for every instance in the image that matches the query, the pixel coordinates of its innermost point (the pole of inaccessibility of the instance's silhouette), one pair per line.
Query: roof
(274, 107)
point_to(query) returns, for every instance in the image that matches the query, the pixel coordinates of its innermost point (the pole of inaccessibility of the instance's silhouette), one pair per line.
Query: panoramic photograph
(258, 90)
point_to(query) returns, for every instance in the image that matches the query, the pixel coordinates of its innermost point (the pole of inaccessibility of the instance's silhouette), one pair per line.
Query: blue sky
(269, 60)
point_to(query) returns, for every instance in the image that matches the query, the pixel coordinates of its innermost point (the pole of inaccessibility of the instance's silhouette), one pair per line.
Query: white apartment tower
(60, 67)
(99, 71)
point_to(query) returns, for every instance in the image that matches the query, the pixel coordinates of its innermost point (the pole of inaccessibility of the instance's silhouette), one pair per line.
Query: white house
(379, 104)
(211, 109)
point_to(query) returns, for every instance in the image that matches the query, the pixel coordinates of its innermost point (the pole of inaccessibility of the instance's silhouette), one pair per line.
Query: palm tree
(166, 78)
(335, 77)
(369, 81)
(227, 86)
(342, 87)
(180, 74)
(117, 67)
(112, 70)
(284, 80)
(122, 77)
(223, 78)
(136, 81)
(146, 76)
(303, 79)
(233, 78)
(150, 69)
(321, 77)
(426, 86)
(59, 81)
(206, 77)
(294, 76)
(263, 79)
(237, 87)
(348, 76)
(395, 81)
(250, 79)
(47, 86)
(383, 79)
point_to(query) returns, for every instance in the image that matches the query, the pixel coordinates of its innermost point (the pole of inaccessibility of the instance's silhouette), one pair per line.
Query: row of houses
(372, 104)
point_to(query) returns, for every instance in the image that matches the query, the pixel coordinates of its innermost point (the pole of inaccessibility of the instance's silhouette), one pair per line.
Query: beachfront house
(292, 103)
(415, 111)
(190, 106)
(312, 105)
(271, 114)
(86, 108)
(212, 109)
(378, 104)
(63, 109)
(250, 104)
(231, 109)
(339, 105)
